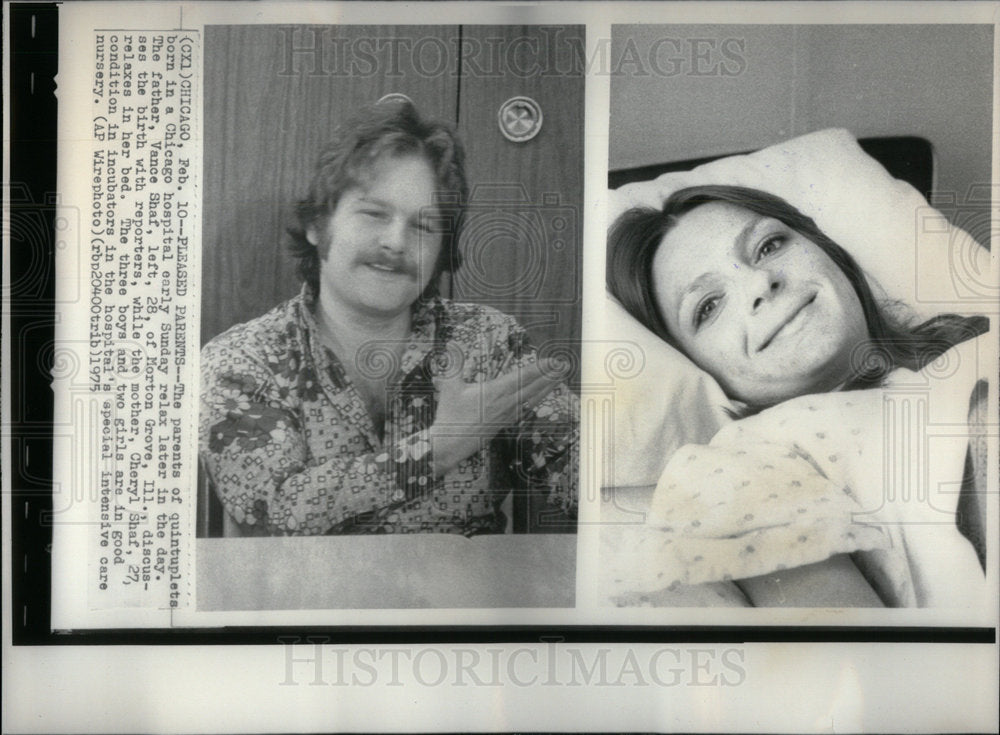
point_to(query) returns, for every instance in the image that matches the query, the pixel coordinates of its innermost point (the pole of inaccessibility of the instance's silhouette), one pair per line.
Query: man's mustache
(400, 264)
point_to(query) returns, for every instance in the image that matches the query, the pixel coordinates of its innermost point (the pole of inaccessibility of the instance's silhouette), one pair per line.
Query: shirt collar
(423, 326)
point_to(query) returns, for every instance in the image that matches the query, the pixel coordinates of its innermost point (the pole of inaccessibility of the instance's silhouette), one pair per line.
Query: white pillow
(661, 401)
(908, 249)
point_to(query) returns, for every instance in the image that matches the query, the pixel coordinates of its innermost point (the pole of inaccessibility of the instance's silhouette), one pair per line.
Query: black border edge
(32, 193)
(569, 634)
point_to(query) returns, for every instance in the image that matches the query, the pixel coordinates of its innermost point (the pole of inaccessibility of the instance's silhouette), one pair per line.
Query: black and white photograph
(390, 316)
(798, 225)
(500, 367)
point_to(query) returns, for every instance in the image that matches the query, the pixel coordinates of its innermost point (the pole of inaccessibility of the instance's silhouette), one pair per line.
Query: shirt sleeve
(544, 450)
(254, 447)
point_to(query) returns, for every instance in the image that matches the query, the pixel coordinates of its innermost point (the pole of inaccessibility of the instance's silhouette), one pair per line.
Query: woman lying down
(839, 397)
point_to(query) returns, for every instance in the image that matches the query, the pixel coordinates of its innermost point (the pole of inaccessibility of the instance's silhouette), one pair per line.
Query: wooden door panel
(524, 234)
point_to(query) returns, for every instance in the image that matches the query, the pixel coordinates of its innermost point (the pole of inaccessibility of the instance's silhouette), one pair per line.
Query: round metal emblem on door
(520, 119)
(394, 97)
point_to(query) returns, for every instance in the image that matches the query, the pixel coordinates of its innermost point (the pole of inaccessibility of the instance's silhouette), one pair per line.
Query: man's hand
(469, 413)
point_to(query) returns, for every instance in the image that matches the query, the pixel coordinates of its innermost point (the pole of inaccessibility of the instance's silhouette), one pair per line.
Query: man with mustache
(367, 403)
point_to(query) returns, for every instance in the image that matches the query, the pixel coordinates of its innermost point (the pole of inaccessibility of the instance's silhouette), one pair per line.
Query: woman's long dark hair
(893, 341)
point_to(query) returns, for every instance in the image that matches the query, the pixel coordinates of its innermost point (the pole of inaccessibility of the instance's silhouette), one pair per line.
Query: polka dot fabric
(871, 472)
(768, 493)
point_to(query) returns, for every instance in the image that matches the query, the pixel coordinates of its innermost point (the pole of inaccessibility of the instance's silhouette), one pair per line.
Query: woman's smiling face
(756, 304)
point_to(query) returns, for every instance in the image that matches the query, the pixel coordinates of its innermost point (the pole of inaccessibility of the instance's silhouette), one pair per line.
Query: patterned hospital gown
(873, 473)
(291, 448)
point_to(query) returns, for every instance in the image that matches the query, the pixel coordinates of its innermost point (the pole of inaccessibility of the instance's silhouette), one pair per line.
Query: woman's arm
(836, 582)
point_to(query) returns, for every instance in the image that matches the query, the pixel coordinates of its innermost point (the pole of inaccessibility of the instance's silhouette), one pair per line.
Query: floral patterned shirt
(291, 447)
